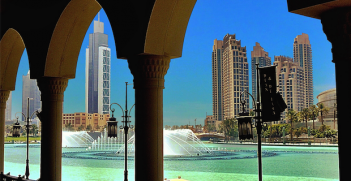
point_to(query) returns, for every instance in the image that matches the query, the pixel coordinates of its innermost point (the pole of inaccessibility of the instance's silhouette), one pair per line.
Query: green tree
(167, 127)
(305, 113)
(24, 130)
(297, 132)
(313, 111)
(228, 127)
(292, 117)
(88, 127)
(34, 130)
(323, 110)
(69, 127)
(80, 128)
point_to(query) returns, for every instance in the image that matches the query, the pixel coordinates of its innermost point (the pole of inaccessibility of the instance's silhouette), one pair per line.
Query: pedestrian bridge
(207, 136)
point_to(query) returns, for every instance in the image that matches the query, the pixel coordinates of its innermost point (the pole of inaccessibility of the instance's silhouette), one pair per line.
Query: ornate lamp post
(244, 124)
(125, 125)
(27, 128)
(16, 129)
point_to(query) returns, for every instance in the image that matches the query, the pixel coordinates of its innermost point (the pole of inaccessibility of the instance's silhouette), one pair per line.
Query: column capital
(52, 88)
(4, 95)
(149, 70)
(337, 27)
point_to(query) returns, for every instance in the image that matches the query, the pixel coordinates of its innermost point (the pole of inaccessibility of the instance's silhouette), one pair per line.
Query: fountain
(76, 139)
(176, 142)
(181, 144)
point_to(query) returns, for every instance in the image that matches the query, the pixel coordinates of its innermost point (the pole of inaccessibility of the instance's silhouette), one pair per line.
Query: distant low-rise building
(80, 121)
(328, 98)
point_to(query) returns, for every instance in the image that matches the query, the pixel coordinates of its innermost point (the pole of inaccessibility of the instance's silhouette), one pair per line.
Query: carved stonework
(149, 70)
(4, 95)
(52, 88)
(337, 27)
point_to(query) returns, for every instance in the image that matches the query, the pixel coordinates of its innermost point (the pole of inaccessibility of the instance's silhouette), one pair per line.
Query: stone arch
(167, 27)
(67, 38)
(11, 48)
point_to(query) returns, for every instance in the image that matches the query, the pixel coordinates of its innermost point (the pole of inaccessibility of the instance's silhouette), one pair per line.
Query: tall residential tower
(97, 71)
(230, 77)
(258, 55)
(303, 56)
(8, 110)
(30, 89)
(290, 79)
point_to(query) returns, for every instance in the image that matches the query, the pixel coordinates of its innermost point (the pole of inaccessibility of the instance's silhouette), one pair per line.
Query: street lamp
(126, 126)
(112, 126)
(16, 129)
(27, 128)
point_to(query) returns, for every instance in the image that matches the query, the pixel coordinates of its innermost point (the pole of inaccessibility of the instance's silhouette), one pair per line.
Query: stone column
(52, 90)
(4, 95)
(149, 72)
(337, 27)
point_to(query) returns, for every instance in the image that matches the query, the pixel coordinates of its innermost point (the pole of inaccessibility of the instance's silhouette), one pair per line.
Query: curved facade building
(328, 98)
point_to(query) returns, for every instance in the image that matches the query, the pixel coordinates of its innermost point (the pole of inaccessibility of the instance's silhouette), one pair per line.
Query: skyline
(188, 83)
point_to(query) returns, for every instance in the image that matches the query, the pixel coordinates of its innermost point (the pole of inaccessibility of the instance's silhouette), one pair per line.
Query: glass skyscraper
(97, 71)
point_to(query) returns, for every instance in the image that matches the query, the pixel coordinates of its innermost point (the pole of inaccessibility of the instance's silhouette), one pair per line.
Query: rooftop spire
(99, 16)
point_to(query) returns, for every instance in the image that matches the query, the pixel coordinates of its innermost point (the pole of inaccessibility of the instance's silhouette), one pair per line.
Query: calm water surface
(290, 163)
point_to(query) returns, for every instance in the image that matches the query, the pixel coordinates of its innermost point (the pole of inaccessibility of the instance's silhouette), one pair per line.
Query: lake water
(288, 163)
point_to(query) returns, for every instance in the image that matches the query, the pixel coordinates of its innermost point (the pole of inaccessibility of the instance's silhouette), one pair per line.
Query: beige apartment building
(303, 56)
(96, 121)
(290, 78)
(230, 77)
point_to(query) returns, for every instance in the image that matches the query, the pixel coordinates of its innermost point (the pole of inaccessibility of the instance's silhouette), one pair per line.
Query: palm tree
(69, 127)
(322, 109)
(292, 117)
(305, 113)
(34, 129)
(313, 111)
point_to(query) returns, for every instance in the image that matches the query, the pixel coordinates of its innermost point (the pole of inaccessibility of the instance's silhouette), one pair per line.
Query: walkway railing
(8, 177)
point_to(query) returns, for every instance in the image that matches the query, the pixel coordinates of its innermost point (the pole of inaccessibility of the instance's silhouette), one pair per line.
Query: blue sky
(188, 92)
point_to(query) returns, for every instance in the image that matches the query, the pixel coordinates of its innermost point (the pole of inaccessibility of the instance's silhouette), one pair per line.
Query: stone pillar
(4, 95)
(52, 90)
(337, 27)
(149, 72)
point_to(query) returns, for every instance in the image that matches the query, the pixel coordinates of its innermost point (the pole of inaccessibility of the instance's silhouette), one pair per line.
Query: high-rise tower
(230, 77)
(303, 56)
(8, 108)
(30, 89)
(258, 55)
(290, 79)
(217, 105)
(97, 71)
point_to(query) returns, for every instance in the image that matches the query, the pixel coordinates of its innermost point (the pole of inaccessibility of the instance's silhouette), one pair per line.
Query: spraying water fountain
(76, 139)
(179, 144)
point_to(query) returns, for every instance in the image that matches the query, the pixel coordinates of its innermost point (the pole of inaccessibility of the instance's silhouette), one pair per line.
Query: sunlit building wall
(328, 98)
(96, 121)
